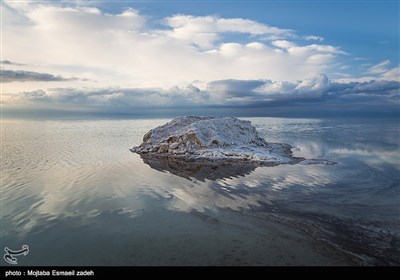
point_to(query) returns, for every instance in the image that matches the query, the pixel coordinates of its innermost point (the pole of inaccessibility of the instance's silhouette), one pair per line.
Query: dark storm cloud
(118, 97)
(7, 62)
(317, 89)
(253, 97)
(235, 88)
(8, 76)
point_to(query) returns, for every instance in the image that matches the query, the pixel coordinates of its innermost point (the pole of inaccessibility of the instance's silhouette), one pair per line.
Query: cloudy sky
(149, 57)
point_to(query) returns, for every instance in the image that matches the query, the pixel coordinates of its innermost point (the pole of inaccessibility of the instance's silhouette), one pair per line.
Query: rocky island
(216, 138)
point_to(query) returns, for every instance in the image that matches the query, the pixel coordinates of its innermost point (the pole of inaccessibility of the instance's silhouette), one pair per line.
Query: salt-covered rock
(214, 138)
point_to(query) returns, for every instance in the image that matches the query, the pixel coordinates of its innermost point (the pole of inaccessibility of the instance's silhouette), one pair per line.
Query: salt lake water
(73, 192)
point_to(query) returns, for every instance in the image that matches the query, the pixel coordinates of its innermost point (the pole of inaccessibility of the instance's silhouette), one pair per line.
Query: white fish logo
(9, 256)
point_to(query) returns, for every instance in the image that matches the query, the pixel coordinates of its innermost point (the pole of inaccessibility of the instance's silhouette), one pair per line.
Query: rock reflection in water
(200, 169)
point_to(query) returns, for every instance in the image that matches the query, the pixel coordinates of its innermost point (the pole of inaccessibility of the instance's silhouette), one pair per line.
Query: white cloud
(309, 50)
(231, 49)
(124, 50)
(283, 44)
(308, 88)
(313, 38)
(378, 72)
(320, 59)
(204, 31)
(379, 68)
(360, 58)
(391, 74)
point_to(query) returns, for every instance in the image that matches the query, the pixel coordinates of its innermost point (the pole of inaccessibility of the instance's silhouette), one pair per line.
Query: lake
(73, 192)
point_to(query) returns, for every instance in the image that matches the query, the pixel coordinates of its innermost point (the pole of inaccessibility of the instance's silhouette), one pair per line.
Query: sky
(245, 58)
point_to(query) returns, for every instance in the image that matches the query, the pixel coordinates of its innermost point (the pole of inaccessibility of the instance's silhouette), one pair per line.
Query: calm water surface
(76, 195)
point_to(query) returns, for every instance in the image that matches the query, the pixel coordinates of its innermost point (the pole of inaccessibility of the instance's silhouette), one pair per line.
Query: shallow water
(76, 195)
